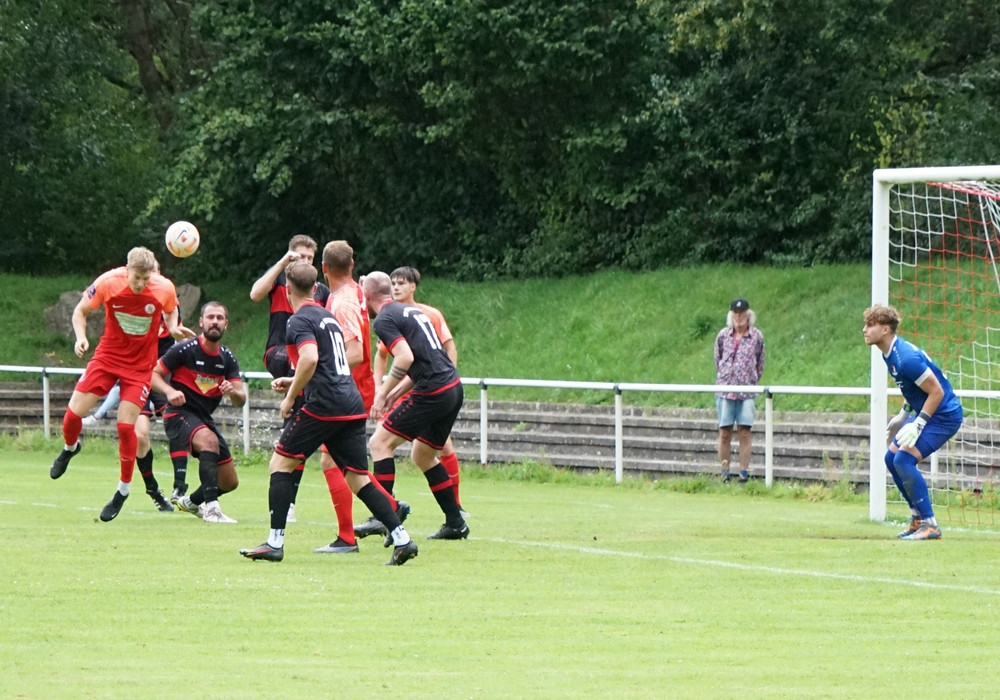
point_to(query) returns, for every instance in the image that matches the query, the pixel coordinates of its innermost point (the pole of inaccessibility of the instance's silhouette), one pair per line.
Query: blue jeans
(738, 411)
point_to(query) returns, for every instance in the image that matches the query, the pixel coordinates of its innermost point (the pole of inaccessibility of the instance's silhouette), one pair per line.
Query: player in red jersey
(272, 285)
(404, 281)
(347, 303)
(134, 297)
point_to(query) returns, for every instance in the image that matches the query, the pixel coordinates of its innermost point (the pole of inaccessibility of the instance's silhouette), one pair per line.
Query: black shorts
(345, 440)
(277, 363)
(428, 418)
(155, 405)
(181, 426)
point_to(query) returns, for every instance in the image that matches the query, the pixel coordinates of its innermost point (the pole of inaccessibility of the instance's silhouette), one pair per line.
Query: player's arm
(451, 351)
(260, 288)
(355, 352)
(175, 397)
(304, 370)
(233, 388)
(80, 314)
(173, 325)
(402, 358)
(379, 365)
(928, 383)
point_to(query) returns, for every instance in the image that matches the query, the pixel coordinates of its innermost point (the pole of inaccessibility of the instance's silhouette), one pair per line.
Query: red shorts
(98, 379)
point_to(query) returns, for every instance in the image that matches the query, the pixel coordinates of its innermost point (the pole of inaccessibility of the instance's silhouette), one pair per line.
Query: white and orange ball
(182, 239)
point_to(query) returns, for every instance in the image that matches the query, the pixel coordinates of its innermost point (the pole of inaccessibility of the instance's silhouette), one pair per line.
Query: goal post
(935, 257)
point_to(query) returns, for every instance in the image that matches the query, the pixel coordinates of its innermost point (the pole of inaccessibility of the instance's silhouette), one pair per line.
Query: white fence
(618, 389)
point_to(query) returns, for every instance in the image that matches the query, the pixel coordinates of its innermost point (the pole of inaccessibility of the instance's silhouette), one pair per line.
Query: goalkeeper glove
(908, 434)
(896, 423)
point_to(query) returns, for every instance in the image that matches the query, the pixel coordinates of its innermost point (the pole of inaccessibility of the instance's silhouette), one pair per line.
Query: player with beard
(202, 371)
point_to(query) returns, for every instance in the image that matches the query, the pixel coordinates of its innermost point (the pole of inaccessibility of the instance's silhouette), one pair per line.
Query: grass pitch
(563, 590)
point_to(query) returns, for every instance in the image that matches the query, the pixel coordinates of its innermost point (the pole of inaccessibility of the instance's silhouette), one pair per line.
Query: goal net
(936, 258)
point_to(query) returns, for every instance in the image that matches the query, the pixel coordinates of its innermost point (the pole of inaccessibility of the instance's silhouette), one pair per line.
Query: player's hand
(226, 387)
(286, 406)
(897, 422)
(281, 384)
(81, 346)
(182, 333)
(291, 256)
(176, 397)
(908, 434)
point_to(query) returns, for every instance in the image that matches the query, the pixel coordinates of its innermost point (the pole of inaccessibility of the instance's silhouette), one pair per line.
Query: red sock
(128, 443)
(72, 427)
(343, 503)
(450, 463)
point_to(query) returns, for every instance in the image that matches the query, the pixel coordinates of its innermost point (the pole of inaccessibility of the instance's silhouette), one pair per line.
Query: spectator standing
(739, 361)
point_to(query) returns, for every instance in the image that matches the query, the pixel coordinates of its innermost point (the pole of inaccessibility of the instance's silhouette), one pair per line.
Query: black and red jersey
(281, 309)
(331, 392)
(432, 369)
(198, 373)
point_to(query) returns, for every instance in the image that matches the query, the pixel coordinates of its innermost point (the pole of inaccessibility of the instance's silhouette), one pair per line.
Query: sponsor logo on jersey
(150, 308)
(206, 384)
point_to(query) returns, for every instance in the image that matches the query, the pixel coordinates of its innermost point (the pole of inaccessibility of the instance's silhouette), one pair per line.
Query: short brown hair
(141, 259)
(338, 256)
(410, 274)
(301, 277)
(303, 241)
(882, 315)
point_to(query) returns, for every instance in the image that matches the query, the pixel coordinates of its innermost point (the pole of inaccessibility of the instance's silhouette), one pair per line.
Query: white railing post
(483, 422)
(246, 414)
(768, 438)
(46, 405)
(619, 440)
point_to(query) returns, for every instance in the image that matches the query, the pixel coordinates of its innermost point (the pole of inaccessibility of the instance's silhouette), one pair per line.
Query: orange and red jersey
(349, 307)
(132, 321)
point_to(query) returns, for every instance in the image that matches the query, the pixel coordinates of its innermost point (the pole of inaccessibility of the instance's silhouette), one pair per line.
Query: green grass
(567, 587)
(655, 327)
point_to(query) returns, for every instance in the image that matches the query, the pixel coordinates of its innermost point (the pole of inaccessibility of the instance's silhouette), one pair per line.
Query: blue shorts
(938, 431)
(738, 411)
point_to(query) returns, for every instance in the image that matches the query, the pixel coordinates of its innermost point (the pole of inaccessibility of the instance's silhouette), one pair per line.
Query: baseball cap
(740, 304)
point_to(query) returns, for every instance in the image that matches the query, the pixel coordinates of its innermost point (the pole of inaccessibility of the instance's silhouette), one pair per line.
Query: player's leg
(938, 431)
(381, 446)
(348, 451)
(425, 457)
(450, 461)
(144, 460)
(128, 442)
(744, 425)
(205, 444)
(343, 505)
(95, 383)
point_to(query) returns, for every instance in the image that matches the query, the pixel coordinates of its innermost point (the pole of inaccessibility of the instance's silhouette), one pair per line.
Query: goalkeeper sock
(906, 466)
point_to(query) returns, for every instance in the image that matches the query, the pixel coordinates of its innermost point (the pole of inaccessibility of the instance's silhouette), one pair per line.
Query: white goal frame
(882, 182)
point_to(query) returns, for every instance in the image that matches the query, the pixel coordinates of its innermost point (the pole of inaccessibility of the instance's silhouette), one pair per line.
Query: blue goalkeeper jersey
(907, 365)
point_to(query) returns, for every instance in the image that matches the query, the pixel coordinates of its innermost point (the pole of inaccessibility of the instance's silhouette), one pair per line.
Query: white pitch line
(756, 567)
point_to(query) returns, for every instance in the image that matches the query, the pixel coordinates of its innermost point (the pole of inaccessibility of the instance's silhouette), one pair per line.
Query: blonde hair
(142, 259)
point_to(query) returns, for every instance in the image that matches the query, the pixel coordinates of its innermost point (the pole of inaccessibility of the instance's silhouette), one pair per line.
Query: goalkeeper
(939, 416)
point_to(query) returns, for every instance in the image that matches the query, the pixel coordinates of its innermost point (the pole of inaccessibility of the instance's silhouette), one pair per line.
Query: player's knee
(889, 459)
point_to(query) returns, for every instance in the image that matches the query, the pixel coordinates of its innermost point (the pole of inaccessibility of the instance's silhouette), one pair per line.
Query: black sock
(145, 464)
(440, 483)
(379, 506)
(279, 497)
(296, 480)
(180, 470)
(198, 497)
(385, 471)
(208, 471)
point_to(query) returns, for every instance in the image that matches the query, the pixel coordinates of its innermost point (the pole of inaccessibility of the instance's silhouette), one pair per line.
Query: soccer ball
(182, 239)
